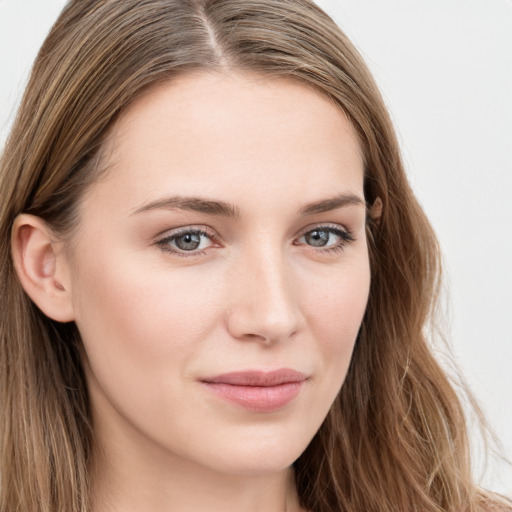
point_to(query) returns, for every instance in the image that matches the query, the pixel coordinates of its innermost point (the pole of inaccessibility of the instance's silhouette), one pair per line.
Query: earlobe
(41, 267)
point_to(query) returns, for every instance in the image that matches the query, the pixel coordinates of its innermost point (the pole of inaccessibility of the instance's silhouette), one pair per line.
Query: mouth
(258, 391)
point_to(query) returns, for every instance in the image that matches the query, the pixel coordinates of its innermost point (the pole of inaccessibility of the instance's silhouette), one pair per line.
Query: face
(220, 271)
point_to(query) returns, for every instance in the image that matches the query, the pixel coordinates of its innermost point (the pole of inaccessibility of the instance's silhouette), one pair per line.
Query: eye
(187, 240)
(326, 238)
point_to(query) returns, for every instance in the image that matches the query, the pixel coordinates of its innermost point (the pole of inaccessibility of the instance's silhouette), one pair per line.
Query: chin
(259, 458)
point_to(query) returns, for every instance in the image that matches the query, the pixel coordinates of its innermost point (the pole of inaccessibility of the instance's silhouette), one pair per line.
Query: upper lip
(258, 378)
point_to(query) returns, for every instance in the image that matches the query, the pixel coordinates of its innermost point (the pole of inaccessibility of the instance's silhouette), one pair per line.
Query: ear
(41, 266)
(376, 211)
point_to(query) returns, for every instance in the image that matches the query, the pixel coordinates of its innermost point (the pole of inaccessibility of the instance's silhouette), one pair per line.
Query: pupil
(317, 238)
(188, 242)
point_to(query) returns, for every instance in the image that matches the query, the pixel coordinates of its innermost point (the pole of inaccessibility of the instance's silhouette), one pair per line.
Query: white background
(445, 70)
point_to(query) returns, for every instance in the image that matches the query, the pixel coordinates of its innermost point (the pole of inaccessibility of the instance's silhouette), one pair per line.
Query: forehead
(222, 132)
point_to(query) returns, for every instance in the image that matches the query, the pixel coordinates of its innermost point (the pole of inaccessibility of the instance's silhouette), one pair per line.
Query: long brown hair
(395, 438)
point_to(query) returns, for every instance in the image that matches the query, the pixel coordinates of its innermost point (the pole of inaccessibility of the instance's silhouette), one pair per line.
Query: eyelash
(345, 236)
(164, 243)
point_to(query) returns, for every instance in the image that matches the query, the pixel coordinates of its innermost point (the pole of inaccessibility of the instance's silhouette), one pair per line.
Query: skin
(255, 295)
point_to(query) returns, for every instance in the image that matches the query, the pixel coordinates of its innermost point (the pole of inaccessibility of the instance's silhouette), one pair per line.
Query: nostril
(263, 305)
(263, 325)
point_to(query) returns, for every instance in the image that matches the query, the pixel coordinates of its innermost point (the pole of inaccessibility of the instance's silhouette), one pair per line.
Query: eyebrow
(333, 203)
(223, 209)
(195, 204)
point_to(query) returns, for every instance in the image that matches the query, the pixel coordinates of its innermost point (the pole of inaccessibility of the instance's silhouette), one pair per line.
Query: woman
(216, 275)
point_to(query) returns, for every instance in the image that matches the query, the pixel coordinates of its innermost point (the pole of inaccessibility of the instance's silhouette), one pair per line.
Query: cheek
(141, 309)
(337, 308)
(334, 315)
(141, 330)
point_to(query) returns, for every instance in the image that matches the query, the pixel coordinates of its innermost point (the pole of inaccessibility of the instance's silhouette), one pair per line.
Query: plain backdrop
(445, 70)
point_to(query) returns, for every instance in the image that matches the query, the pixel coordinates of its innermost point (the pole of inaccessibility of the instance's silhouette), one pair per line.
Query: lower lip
(257, 398)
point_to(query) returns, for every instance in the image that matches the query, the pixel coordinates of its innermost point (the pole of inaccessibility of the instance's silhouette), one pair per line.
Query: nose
(264, 301)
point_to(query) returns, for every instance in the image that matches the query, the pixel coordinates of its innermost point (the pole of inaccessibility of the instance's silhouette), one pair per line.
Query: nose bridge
(264, 303)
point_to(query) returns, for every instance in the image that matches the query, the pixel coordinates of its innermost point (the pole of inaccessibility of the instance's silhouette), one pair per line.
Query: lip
(260, 391)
